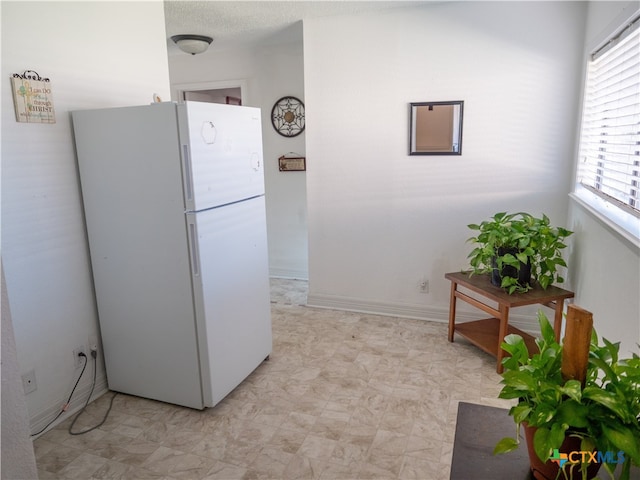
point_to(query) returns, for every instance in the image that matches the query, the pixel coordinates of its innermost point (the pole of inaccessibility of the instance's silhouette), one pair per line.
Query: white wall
(605, 266)
(85, 49)
(269, 72)
(380, 220)
(17, 457)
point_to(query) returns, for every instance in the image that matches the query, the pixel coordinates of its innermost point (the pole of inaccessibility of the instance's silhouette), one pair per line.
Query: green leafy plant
(604, 414)
(509, 243)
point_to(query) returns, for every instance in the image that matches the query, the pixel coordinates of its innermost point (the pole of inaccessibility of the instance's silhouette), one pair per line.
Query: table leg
(452, 310)
(502, 332)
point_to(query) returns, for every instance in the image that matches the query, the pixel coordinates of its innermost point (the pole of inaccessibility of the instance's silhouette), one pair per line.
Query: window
(609, 154)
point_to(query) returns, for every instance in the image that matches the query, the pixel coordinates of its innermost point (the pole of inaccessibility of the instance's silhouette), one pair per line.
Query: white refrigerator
(175, 213)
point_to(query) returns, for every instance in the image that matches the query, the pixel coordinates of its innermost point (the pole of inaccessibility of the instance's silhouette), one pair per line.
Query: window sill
(624, 225)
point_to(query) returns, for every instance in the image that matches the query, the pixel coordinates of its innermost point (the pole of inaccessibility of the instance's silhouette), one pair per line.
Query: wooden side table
(488, 334)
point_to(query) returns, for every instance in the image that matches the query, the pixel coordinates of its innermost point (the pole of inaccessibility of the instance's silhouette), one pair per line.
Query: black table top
(478, 429)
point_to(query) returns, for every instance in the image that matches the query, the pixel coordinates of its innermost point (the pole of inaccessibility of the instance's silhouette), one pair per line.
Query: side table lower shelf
(484, 334)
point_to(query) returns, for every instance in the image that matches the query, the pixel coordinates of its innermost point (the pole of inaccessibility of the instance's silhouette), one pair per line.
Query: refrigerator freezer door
(222, 153)
(232, 293)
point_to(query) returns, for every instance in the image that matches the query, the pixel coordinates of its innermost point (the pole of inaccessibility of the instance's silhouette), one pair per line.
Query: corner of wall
(18, 459)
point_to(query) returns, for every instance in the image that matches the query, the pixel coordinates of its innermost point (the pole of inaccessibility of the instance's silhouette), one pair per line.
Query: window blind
(609, 151)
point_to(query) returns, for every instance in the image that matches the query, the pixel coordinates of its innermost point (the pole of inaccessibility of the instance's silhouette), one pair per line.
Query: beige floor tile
(43, 445)
(134, 452)
(240, 453)
(56, 459)
(299, 421)
(381, 466)
(157, 431)
(81, 467)
(328, 427)
(287, 440)
(389, 443)
(45, 475)
(112, 470)
(178, 464)
(353, 446)
(334, 471)
(181, 439)
(344, 395)
(225, 471)
(417, 468)
(270, 463)
(317, 447)
(301, 468)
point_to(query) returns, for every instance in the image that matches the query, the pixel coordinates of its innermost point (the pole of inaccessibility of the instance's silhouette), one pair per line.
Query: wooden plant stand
(488, 334)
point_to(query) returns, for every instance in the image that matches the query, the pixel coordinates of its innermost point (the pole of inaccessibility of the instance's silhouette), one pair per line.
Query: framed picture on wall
(32, 98)
(435, 128)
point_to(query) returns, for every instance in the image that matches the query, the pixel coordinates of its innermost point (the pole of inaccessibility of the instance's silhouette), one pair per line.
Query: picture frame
(435, 128)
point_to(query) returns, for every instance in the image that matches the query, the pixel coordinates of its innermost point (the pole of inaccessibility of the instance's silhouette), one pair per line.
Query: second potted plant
(573, 429)
(518, 249)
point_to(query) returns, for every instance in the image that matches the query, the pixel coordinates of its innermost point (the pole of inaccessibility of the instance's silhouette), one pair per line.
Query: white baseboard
(526, 323)
(39, 421)
(290, 274)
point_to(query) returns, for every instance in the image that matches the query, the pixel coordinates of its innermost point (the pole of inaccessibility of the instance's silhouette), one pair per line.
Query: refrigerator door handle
(187, 173)
(193, 244)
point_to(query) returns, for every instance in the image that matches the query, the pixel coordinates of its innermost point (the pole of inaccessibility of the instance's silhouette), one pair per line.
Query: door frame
(177, 90)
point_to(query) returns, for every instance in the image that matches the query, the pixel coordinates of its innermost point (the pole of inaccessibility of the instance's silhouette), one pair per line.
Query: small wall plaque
(292, 164)
(32, 98)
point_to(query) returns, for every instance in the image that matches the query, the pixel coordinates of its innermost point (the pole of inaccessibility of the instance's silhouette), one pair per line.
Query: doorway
(229, 92)
(229, 96)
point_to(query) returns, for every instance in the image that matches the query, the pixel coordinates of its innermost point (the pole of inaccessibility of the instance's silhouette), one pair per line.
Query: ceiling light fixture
(192, 44)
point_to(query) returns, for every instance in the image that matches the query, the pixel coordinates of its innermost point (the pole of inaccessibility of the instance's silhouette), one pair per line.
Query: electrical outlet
(93, 343)
(29, 382)
(77, 358)
(423, 285)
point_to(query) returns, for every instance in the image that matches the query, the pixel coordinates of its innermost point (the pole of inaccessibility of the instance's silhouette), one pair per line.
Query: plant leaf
(505, 445)
(573, 413)
(608, 400)
(519, 379)
(613, 349)
(573, 389)
(541, 444)
(624, 439)
(520, 413)
(546, 329)
(515, 346)
(557, 435)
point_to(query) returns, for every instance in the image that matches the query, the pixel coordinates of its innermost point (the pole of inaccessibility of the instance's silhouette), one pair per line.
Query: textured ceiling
(234, 24)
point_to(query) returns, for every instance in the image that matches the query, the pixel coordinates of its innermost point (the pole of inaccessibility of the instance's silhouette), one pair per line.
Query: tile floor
(343, 396)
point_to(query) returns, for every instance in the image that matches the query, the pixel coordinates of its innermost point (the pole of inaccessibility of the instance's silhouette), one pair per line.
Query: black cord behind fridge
(65, 407)
(94, 354)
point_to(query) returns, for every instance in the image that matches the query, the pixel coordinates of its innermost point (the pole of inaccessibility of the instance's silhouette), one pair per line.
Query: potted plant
(518, 249)
(602, 417)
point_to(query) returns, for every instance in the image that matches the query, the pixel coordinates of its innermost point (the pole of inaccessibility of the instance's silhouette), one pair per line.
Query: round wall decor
(287, 116)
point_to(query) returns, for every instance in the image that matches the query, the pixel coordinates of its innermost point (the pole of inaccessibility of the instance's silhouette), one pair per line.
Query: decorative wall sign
(292, 164)
(32, 98)
(287, 116)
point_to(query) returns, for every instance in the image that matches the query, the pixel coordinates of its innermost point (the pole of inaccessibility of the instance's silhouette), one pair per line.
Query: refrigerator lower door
(231, 280)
